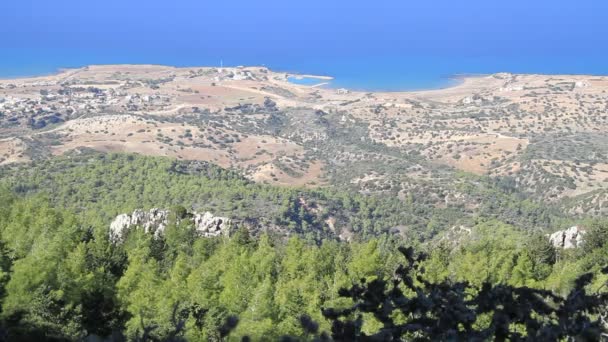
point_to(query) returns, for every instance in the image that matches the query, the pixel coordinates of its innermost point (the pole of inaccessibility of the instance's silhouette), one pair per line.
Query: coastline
(302, 76)
(55, 72)
(446, 82)
(325, 80)
(442, 83)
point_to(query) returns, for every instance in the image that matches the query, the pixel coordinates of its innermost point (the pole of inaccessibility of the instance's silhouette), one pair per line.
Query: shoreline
(454, 80)
(56, 72)
(447, 82)
(303, 76)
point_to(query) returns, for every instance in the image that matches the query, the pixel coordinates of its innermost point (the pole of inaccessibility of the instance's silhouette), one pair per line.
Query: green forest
(282, 273)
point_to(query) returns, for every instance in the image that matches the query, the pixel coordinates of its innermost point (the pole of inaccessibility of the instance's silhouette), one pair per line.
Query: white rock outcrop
(208, 225)
(155, 221)
(569, 238)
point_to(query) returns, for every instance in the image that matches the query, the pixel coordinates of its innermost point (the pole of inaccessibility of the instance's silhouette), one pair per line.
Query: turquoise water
(308, 81)
(394, 74)
(431, 83)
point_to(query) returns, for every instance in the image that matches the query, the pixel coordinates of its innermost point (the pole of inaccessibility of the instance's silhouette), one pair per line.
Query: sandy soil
(481, 125)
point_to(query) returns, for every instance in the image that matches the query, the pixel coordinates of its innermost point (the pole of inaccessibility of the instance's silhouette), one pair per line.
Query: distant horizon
(385, 44)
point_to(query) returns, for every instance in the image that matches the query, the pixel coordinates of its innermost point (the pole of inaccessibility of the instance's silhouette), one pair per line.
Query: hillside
(536, 135)
(276, 263)
(100, 186)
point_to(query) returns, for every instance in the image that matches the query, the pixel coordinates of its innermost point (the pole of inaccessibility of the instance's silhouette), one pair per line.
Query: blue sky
(296, 34)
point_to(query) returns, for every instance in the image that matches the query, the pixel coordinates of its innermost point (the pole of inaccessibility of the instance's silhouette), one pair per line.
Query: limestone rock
(118, 227)
(155, 221)
(569, 238)
(208, 225)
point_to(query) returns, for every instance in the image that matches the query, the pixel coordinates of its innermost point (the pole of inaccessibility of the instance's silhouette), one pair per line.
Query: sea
(367, 72)
(375, 45)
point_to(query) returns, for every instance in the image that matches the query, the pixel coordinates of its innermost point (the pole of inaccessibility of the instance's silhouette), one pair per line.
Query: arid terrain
(540, 134)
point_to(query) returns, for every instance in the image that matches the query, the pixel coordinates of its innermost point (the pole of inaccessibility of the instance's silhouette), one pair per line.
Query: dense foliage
(61, 278)
(104, 185)
(412, 308)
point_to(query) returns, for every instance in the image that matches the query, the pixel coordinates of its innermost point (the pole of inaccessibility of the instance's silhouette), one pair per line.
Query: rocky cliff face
(155, 221)
(569, 238)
